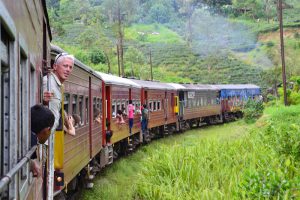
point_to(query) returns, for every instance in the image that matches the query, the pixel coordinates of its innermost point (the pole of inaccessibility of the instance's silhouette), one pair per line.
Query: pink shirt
(130, 110)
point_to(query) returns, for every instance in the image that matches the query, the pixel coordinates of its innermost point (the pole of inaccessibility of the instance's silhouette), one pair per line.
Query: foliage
(97, 57)
(208, 50)
(293, 97)
(253, 109)
(281, 135)
(238, 161)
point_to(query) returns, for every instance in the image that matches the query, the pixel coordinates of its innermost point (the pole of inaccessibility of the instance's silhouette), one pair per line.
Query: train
(26, 53)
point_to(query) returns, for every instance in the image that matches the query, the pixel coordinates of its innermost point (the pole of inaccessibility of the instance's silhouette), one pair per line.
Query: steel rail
(7, 178)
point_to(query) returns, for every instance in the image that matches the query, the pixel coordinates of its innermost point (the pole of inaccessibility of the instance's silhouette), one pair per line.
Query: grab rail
(7, 178)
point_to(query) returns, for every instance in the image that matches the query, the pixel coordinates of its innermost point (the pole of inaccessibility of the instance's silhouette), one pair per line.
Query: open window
(81, 110)
(74, 104)
(86, 110)
(113, 110)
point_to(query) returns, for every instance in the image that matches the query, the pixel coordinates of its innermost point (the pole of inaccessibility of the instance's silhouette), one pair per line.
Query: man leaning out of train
(42, 120)
(62, 68)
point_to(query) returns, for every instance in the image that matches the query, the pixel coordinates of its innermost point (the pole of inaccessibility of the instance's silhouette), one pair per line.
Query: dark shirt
(34, 141)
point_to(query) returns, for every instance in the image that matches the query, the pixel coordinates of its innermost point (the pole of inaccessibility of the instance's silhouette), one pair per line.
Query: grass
(230, 161)
(153, 33)
(120, 180)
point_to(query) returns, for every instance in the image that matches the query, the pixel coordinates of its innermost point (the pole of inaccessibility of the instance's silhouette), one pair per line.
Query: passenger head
(144, 105)
(77, 119)
(42, 120)
(119, 112)
(130, 101)
(63, 66)
(96, 112)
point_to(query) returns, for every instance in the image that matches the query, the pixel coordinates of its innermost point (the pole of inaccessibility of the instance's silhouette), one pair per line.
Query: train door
(165, 105)
(109, 108)
(181, 103)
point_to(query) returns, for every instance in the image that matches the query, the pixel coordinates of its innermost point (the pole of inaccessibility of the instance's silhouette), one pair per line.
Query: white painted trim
(7, 21)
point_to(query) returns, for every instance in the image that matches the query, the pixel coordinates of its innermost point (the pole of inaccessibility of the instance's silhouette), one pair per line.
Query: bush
(270, 44)
(253, 110)
(97, 57)
(293, 97)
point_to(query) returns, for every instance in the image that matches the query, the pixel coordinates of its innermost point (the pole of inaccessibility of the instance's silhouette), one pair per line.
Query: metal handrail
(7, 178)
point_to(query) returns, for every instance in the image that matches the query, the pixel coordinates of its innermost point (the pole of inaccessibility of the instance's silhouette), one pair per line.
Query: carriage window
(123, 108)
(86, 110)
(118, 106)
(113, 110)
(158, 105)
(4, 101)
(98, 103)
(150, 105)
(33, 85)
(66, 102)
(154, 105)
(74, 104)
(138, 106)
(81, 109)
(94, 102)
(208, 100)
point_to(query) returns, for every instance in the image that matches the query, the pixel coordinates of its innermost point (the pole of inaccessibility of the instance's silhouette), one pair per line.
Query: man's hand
(35, 168)
(47, 96)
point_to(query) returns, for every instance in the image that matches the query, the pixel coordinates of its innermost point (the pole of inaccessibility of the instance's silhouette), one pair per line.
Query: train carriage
(198, 102)
(160, 100)
(234, 96)
(24, 51)
(118, 93)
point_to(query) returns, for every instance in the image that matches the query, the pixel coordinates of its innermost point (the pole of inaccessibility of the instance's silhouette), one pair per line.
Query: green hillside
(220, 41)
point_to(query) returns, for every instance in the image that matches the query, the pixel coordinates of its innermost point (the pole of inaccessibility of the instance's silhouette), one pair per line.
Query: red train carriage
(197, 103)
(82, 95)
(234, 96)
(118, 92)
(24, 50)
(160, 100)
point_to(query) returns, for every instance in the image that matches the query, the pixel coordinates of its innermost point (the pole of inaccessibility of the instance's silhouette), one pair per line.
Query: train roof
(153, 85)
(115, 80)
(200, 87)
(245, 90)
(237, 86)
(57, 50)
(177, 86)
(188, 87)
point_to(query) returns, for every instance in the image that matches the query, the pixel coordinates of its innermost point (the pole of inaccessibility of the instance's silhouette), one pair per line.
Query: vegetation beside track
(229, 161)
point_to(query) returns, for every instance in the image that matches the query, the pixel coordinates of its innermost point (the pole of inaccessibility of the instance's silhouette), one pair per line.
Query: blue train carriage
(234, 96)
(24, 52)
(198, 104)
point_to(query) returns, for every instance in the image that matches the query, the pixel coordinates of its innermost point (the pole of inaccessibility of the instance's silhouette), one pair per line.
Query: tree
(159, 13)
(134, 61)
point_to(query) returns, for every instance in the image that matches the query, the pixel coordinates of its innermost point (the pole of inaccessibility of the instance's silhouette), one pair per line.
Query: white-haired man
(62, 68)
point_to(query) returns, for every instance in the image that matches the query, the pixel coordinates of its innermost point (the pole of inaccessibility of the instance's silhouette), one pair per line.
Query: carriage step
(91, 177)
(89, 185)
